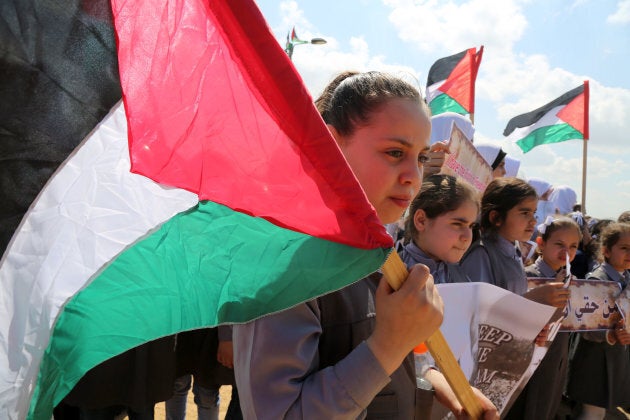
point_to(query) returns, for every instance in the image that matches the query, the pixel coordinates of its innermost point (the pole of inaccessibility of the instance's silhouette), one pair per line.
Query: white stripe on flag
(90, 211)
(549, 119)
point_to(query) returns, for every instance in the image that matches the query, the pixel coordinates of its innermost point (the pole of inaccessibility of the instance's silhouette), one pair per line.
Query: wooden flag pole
(586, 132)
(396, 273)
(584, 176)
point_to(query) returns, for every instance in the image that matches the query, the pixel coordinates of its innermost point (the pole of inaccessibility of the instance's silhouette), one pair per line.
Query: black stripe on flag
(530, 118)
(58, 80)
(442, 68)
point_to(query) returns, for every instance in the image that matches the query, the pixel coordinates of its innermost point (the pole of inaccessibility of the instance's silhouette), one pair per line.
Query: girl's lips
(401, 202)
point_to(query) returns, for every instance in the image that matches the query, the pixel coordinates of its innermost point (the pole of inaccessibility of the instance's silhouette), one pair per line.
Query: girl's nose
(412, 174)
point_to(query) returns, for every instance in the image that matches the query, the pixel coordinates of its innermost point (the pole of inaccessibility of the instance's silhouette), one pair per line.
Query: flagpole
(584, 176)
(396, 273)
(586, 137)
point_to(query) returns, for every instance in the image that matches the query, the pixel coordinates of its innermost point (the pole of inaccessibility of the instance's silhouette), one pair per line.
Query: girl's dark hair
(350, 99)
(612, 233)
(501, 195)
(559, 223)
(439, 194)
(594, 246)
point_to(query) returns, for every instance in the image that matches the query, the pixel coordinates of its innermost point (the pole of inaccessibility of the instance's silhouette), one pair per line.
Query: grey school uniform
(495, 260)
(541, 397)
(600, 373)
(312, 362)
(442, 272)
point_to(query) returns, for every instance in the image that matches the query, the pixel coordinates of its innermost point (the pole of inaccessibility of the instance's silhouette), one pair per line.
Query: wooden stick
(396, 273)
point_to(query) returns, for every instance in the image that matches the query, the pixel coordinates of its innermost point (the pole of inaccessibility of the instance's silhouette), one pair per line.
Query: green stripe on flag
(444, 103)
(548, 134)
(206, 266)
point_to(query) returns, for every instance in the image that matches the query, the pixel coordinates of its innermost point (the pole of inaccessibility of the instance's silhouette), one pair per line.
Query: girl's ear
(605, 252)
(420, 220)
(540, 242)
(494, 218)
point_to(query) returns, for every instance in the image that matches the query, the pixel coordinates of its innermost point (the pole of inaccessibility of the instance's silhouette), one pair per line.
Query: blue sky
(534, 51)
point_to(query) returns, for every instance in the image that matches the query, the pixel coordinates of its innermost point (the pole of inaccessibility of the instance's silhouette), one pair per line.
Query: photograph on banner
(592, 305)
(491, 332)
(623, 305)
(464, 161)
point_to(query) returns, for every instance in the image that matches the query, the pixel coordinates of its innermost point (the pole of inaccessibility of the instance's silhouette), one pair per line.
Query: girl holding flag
(348, 354)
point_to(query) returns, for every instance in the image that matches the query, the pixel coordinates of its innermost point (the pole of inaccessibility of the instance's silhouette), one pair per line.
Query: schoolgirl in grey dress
(541, 397)
(507, 216)
(599, 375)
(438, 230)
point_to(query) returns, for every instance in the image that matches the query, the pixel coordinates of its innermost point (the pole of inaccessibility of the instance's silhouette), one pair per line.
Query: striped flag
(451, 82)
(213, 194)
(564, 118)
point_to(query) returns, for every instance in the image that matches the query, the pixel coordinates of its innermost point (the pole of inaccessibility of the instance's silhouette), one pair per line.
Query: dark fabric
(197, 355)
(347, 319)
(136, 379)
(58, 79)
(541, 397)
(580, 265)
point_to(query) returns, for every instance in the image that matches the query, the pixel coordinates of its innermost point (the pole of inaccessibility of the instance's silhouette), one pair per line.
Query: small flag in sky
(215, 195)
(564, 118)
(451, 82)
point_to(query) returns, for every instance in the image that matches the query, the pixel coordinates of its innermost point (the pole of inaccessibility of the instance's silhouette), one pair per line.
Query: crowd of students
(348, 354)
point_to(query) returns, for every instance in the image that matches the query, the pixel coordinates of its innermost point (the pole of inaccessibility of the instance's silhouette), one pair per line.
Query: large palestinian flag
(564, 118)
(213, 193)
(451, 82)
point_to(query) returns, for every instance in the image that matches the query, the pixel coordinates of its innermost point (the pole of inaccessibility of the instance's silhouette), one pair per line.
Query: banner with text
(593, 304)
(464, 161)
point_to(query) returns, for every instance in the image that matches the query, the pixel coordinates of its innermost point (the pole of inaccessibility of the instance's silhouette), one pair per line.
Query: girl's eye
(395, 153)
(422, 159)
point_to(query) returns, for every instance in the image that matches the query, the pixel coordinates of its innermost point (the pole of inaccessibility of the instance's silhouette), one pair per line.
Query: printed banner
(593, 305)
(491, 331)
(464, 161)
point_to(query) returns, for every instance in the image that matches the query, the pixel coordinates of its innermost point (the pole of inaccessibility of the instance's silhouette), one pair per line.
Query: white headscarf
(540, 185)
(490, 152)
(564, 198)
(441, 126)
(511, 166)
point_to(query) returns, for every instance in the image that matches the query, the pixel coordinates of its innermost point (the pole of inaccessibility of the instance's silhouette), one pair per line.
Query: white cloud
(622, 14)
(432, 25)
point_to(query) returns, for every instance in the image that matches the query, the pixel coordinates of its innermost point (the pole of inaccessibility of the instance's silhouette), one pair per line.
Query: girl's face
(500, 171)
(560, 243)
(519, 221)
(387, 155)
(618, 256)
(448, 236)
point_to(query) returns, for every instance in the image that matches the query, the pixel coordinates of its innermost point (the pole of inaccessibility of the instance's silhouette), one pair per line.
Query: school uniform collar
(507, 248)
(544, 268)
(437, 269)
(614, 274)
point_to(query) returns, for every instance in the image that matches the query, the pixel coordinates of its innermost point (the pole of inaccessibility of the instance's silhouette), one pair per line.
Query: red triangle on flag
(575, 113)
(460, 84)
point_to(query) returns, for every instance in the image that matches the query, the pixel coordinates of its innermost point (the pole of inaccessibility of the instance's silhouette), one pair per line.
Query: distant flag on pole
(215, 195)
(564, 118)
(451, 82)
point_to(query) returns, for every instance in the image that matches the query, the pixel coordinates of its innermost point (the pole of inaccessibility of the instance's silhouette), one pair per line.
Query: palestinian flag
(564, 118)
(451, 82)
(213, 193)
